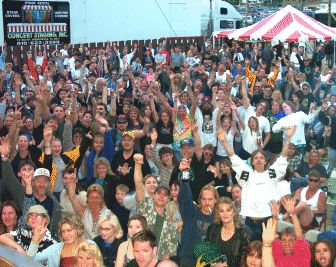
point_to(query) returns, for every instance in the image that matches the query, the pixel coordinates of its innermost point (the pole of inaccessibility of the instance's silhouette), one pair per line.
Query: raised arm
(268, 236)
(197, 141)
(154, 112)
(144, 131)
(113, 111)
(289, 205)
(192, 96)
(290, 132)
(74, 113)
(74, 199)
(221, 135)
(246, 100)
(139, 186)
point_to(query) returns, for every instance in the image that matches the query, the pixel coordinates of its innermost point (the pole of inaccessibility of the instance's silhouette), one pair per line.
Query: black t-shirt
(165, 133)
(80, 125)
(48, 204)
(199, 175)
(306, 101)
(108, 250)
(3, 131)
(119, 160)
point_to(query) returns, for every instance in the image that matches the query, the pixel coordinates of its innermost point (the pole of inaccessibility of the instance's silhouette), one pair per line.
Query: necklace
(226, 234)
(96, 222)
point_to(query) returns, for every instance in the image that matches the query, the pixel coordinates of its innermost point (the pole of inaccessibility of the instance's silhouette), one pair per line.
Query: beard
(207, 111)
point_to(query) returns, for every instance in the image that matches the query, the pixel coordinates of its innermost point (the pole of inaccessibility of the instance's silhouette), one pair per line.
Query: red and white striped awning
(36, 27)
(288, 24)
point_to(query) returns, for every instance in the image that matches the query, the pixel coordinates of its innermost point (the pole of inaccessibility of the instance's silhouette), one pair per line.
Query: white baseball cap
(41, 172)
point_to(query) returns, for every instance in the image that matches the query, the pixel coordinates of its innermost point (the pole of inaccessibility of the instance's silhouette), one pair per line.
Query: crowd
(192, 156)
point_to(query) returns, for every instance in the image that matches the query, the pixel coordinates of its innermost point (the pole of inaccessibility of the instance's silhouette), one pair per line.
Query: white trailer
(101, 20)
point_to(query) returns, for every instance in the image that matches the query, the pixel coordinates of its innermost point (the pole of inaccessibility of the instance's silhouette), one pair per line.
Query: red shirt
(300, 257)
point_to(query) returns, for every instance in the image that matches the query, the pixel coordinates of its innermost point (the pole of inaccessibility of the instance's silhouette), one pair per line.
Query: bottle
(185, 175)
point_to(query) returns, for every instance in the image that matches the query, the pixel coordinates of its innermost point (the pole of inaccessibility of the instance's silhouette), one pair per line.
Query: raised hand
(39, 232)
(269, 231)
(275, 207)
(88, 135)
(221, 135)
(17, 113)
(5, 146)
(72, 186)
(184, 165)
(154, 135)
(212, 169)
(289, 204)
(47, 134)
(138, 159)
(26, 177)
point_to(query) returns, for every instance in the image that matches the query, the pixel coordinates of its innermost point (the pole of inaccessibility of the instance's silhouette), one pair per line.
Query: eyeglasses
(121, 122)
(313, 180)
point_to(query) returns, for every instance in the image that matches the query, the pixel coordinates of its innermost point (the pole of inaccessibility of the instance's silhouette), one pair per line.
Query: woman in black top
(109, 239)
(228, 233)
(164, 126)
(226, 178)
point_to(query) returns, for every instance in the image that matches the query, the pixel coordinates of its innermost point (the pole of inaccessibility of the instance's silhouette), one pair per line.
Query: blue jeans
(297, 183)
(256, 227)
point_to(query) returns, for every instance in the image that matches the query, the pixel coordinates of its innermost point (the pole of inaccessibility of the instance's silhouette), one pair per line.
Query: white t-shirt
(299, 119)
(249, 140)
(221, 151)
(258, 188)
(206, 129)
(264, 125)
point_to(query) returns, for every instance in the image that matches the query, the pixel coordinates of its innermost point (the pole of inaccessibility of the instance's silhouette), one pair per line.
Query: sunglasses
(313, 180)
(121, 122)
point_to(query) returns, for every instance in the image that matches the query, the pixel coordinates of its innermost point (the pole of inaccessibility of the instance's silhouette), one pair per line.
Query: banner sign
(30, 22)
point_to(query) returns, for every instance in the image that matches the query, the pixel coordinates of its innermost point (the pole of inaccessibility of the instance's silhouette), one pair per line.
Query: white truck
(121, 20)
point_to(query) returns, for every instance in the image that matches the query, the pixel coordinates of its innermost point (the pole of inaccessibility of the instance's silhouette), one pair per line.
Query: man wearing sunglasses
(311, 201)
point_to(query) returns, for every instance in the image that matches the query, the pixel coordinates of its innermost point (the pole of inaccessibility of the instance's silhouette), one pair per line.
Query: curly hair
(93, 250)
(75, 223)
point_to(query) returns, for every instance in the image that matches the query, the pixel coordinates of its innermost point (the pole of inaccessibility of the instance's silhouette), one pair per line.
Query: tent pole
(334, 55)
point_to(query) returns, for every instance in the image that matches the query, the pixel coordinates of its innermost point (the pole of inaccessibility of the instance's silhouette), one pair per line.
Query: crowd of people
(156, 156)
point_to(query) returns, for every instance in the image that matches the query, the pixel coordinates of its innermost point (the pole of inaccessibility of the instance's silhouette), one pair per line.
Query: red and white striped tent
(288, 24)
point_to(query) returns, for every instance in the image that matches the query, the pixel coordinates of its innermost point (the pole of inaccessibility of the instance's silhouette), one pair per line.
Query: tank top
(312, 202)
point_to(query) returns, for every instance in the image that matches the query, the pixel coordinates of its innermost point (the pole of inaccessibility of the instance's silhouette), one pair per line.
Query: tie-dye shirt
(182, 129)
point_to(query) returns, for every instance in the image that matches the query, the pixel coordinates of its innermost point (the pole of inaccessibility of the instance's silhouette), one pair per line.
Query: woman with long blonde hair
(228, 233)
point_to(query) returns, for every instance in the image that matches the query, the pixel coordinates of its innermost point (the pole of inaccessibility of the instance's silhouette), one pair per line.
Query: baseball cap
(130, 134)
(187, 142)
(41, 172)
(37, 209)
(162, 187)
(121, 118)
